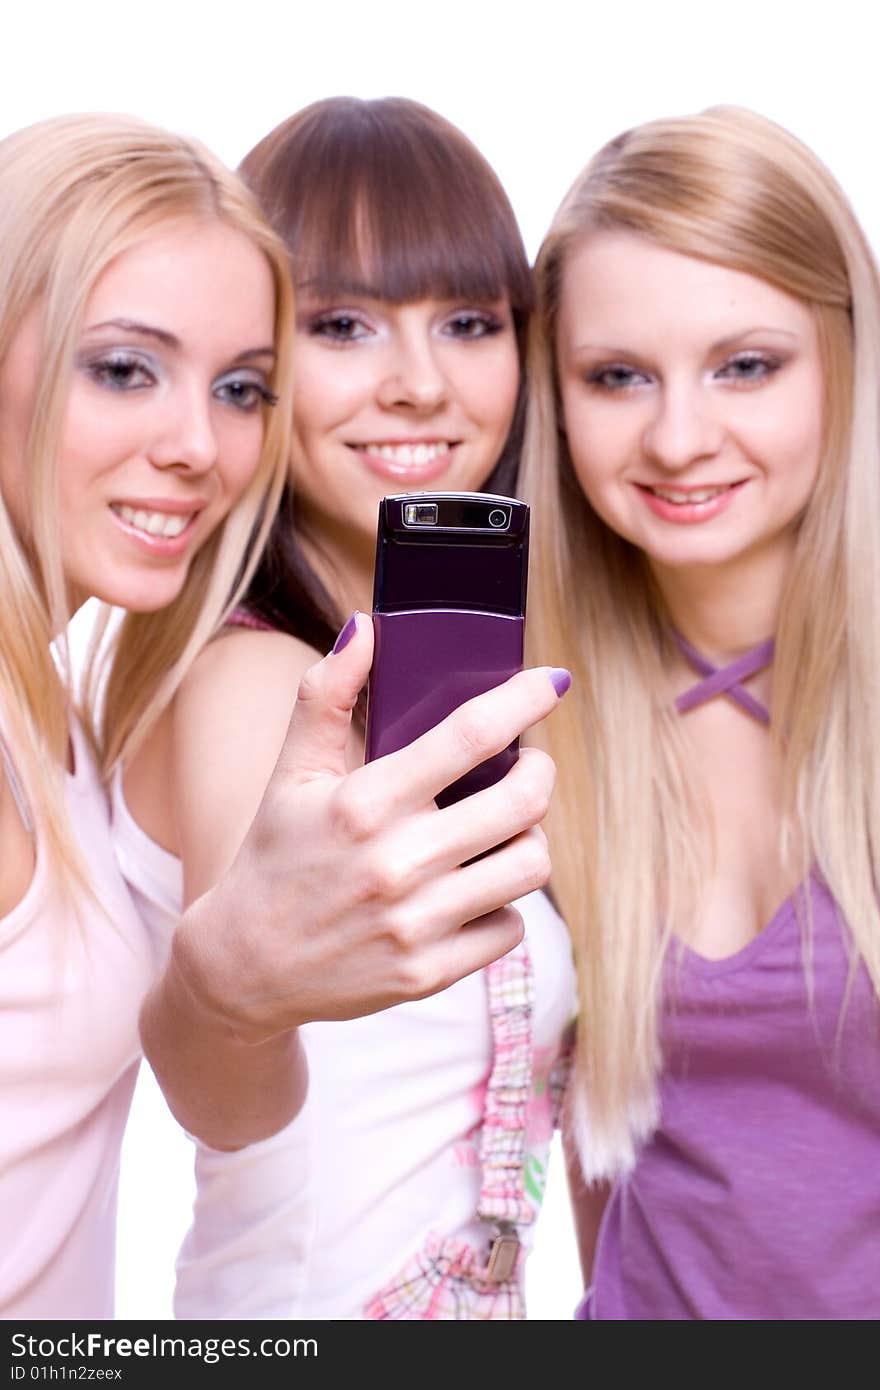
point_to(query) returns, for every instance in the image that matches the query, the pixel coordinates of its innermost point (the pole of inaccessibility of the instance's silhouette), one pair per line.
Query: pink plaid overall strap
(725, 680)
(449, 1278)
(503, 1201)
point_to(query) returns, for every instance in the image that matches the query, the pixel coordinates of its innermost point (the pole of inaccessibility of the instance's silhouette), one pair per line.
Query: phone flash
(420, 513)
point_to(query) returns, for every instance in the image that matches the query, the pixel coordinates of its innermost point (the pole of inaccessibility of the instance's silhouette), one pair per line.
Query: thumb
(318, 733)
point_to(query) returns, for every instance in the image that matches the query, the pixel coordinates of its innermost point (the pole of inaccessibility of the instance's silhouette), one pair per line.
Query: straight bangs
(386, 200)
(399, 205)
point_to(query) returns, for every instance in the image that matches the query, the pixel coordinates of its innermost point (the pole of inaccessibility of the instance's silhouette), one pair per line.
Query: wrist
(207, 979)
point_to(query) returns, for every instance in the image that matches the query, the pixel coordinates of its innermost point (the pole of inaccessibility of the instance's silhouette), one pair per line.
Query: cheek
(241, 452)
(101, 431)
(490, 393)
(597, 443)
(326, 392)
(791, 442)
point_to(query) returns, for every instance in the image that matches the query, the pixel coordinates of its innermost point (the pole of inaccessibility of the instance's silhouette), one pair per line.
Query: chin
(695, 557)
(139, 598)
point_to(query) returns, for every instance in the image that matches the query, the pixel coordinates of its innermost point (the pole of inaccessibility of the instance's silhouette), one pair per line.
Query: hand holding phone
(448, 613)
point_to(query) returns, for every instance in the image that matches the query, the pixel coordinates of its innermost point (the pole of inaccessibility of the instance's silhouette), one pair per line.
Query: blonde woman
(144, 337)
(703, 456)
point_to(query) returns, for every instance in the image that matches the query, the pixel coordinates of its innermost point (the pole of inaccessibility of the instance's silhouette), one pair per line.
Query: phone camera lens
(497, 517)
(420, 514)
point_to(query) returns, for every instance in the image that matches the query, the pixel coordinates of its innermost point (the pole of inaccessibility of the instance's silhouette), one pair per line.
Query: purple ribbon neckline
(725, 680)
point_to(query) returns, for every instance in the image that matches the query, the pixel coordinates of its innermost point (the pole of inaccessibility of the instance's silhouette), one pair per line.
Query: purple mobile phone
(449, 603)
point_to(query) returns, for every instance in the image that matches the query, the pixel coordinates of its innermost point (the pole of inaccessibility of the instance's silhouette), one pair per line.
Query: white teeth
(154, 523)
(704, 494)
(404, 454)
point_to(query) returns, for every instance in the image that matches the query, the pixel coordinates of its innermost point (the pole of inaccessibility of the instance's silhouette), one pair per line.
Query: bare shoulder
(229, 720)
(242, 665)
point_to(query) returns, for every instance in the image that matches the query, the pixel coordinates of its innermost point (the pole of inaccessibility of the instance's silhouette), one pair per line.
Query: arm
(204, 775)
(351, 892)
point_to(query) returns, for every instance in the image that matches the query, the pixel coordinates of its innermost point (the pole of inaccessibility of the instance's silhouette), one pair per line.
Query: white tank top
(384, 1157)
(71, 985)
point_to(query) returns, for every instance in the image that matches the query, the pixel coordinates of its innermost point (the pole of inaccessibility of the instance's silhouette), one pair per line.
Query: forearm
(350, 892)
(225, 1087)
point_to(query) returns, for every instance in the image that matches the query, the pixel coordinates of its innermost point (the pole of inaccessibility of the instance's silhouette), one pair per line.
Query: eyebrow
(169, 340)
(720, 346)
(748, 333)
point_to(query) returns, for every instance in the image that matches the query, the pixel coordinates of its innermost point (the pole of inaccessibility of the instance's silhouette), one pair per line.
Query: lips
(407, 460)
(408, 454)
(681, 496)
(159, 526)
(689, 505)
(153, 523)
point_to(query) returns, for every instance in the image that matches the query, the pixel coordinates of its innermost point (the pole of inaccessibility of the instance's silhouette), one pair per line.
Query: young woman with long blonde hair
(144, 338)
(703, 456)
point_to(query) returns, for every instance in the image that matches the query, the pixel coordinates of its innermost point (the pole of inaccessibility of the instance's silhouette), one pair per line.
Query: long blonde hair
(75, 192)
(732, 188)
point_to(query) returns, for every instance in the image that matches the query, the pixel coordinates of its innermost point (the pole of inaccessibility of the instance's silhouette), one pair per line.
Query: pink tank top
(71, 985)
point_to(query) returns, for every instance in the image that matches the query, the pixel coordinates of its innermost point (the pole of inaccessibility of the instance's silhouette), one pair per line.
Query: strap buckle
(503, 1256)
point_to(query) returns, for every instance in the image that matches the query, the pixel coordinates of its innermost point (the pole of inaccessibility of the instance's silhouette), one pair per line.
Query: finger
(520, 867)
(434, 842)
(316, 738)
(496, 814)
(442, 963)
(409, 779)
(445, 903)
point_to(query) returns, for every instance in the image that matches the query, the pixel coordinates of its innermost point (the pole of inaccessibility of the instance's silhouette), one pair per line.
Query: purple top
(759, 1195)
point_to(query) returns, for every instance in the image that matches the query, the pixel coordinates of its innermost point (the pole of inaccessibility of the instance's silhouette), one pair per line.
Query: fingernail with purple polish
(560, 679)
(346, 635)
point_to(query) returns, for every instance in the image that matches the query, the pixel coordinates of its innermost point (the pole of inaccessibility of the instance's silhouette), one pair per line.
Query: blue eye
(749, 367)
(243, 392)
(120, 371)
(615, 377)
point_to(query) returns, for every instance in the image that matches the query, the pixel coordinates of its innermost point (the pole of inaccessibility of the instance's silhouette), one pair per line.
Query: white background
(538, 86)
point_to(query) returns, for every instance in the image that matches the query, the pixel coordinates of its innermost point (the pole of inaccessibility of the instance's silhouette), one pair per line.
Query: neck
(725, 611)
(344, 568)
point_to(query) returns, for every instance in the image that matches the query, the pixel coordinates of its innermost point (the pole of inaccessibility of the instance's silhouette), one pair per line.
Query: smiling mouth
(680, 497)
(163, 524)
(407, 455)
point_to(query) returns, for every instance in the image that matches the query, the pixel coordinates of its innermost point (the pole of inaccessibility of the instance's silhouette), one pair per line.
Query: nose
(682, 428)
(413, 379)
(186, 437)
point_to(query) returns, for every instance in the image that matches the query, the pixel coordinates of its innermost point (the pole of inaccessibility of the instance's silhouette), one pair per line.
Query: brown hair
(387, 197)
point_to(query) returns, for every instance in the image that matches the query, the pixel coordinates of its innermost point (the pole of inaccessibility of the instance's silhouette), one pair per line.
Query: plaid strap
(446, 1281)
(511, 990)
